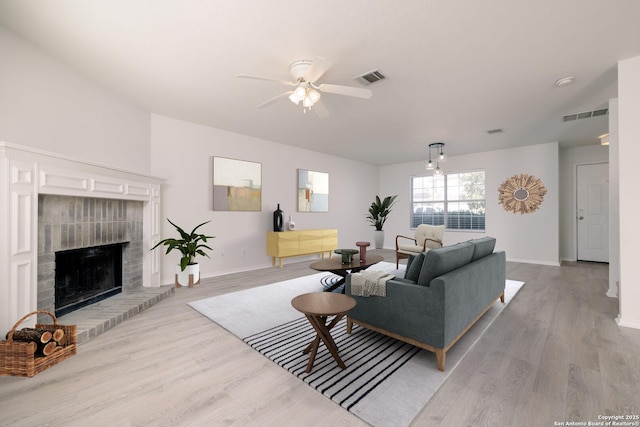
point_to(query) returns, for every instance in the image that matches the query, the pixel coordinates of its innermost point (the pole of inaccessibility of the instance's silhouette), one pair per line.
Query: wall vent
(585, 115)
(370, 77)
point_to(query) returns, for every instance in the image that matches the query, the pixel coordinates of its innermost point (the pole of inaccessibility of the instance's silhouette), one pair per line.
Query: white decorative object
(291, 225)
(189, 277)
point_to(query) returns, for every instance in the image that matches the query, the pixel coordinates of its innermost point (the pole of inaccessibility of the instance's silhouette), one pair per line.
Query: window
(456, 200)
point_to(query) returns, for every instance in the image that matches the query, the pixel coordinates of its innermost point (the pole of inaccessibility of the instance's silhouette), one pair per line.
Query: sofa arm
(408, 309)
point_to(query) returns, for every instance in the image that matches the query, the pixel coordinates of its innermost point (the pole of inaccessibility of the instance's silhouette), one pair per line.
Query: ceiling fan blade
(247, 76)
(319, 66)
(274, 99)
(346, 90)
(320, 109)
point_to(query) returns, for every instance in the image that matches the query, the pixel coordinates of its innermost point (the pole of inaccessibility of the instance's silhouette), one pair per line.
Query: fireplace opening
(86, 276)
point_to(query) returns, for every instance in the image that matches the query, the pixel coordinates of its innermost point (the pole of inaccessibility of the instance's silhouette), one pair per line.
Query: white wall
(46, 105)
(629, 153)
(570, 158)
(614, 201)
(182, 151)
(530, 238)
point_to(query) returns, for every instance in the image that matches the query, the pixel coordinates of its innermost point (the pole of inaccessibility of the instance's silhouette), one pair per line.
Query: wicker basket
(18, 358)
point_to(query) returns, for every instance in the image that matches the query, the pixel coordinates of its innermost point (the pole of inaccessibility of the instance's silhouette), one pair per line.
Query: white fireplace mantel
(25, 173)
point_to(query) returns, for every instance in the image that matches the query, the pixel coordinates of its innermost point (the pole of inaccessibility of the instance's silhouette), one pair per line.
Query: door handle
(580, 218)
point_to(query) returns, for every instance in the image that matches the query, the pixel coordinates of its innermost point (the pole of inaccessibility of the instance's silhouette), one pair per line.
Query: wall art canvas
(237, 185)
(313, 191)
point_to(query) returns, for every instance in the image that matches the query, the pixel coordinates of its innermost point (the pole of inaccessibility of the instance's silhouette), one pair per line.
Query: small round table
(318, 307)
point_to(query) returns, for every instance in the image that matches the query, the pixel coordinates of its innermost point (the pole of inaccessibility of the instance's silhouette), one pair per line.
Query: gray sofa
(442, 294)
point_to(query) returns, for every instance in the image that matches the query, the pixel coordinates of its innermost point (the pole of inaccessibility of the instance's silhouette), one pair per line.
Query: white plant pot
(378, 238)
(189, 277)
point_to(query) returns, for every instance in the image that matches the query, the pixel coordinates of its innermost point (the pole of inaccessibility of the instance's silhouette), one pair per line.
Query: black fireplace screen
(85, 276)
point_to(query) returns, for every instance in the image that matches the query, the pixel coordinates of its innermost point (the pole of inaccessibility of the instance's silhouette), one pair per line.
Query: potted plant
(190, 245)
(378, 213)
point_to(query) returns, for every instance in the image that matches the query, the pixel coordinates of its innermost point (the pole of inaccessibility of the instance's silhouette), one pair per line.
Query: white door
(592, 212)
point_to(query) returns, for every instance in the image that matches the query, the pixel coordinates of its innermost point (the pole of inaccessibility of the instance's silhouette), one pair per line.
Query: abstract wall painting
(313, 191)
(237, 185)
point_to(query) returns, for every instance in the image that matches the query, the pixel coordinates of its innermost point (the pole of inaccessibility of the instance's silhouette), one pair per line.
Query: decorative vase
(363, 250)
(189, 277)
(291, 225)
(277, 219)
(378, 238)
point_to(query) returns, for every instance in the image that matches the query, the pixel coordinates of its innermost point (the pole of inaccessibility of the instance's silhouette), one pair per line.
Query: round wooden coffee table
(336, 266)
(318, 307)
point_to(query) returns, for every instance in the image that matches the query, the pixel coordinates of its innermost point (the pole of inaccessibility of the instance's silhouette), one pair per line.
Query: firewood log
(58, 336)
(30, 334)
(46, 349)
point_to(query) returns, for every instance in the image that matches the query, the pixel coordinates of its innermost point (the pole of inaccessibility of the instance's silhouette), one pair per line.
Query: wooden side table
(318, 307)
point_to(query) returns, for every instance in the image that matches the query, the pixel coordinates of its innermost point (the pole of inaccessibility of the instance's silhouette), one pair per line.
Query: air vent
(494, 131)
(370, 77)
(585, 115)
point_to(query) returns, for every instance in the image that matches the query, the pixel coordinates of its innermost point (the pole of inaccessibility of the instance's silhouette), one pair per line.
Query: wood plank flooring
(554, 354)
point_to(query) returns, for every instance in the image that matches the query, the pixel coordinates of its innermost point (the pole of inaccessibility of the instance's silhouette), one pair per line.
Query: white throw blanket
(367, 283)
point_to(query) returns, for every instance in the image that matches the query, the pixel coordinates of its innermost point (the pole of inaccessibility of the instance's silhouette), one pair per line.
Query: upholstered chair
(426, 237)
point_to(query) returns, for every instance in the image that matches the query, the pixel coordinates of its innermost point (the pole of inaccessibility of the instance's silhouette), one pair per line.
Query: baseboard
(529, 261)
(635, 324)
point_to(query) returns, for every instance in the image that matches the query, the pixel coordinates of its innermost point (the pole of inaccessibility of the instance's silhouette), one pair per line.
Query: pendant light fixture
(440, 157)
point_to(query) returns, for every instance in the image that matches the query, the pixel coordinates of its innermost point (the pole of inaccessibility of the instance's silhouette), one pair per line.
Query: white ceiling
(455, 68)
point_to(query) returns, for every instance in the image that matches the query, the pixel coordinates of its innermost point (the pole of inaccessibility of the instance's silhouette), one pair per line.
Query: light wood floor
(554, 354)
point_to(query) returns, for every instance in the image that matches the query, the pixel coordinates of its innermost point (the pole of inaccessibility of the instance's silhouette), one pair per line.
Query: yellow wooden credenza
(285, 244)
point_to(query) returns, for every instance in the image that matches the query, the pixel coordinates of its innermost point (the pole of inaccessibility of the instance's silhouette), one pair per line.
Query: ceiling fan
(305, 89)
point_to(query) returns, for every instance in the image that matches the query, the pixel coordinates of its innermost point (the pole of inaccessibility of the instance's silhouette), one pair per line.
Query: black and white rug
(386, 383)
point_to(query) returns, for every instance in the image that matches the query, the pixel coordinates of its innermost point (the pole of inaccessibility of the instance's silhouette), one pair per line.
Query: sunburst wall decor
(521, 194)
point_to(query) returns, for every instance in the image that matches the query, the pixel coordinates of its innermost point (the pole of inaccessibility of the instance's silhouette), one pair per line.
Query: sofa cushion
(414, 265)
(482, 247)
(443, 260)
(431, 232)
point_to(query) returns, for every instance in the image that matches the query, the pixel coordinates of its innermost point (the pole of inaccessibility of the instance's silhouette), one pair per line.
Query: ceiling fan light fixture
(313, 95)
(306, 102)
(298, 94)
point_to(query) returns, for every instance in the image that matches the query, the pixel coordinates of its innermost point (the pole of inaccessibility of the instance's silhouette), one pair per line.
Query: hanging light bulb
(437, 170)
(441, 156)
(429, 165)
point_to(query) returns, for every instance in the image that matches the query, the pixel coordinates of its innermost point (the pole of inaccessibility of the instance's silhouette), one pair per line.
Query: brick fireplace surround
(50, 202)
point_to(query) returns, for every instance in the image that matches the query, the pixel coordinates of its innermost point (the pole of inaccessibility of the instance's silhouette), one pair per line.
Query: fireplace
(94, 205)
(88, 249)
(86, 276)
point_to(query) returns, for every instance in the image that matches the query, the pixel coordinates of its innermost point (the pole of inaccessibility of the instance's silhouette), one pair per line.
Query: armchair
(425, 238)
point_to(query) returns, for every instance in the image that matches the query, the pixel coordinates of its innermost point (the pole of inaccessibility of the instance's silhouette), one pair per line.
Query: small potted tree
(378, 213)
(190, 245)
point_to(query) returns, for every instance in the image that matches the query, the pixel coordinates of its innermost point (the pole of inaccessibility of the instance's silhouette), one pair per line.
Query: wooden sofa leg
(349, 325)
(440, 359)
(502, 297)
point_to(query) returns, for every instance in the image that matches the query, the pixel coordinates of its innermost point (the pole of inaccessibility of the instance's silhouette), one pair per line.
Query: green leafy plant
(380, 210)
(190, 245)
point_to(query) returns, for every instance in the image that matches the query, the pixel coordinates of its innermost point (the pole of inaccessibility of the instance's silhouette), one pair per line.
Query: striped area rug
(371, 358)
(386, 382)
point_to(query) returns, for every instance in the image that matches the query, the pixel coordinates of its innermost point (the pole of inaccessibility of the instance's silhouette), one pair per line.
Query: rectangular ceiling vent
(370, 77)
(495, 131)
(585, 115)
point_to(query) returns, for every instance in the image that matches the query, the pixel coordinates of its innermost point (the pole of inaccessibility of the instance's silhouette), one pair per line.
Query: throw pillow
(482, 247)
(414, 265)
(443, 260)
